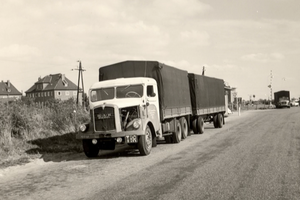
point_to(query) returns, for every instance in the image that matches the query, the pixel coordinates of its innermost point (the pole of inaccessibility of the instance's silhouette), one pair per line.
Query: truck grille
(104, 119)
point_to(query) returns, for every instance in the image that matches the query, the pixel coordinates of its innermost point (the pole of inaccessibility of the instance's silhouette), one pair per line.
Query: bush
(27, 120)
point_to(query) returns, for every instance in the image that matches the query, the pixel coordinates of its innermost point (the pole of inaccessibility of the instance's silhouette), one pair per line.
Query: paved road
(254, 156)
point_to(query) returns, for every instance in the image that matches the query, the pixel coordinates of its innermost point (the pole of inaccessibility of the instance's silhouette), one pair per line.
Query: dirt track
(254, 156)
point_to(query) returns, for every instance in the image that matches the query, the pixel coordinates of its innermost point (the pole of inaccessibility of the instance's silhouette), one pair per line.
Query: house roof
(7, 88)
(53, 82)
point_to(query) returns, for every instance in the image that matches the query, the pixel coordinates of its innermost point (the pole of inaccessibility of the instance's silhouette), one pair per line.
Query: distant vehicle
(295, 103)
(282, 99)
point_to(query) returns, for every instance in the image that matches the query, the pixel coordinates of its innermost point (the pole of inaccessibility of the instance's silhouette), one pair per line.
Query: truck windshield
(130, 91)
(102, 94)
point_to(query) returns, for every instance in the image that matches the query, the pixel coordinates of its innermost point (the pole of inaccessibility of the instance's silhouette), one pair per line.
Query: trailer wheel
(215, 121)
(145, 142)
(220, 120)
(177, 135)
(184, 127)
(200, 125)
(90, 150)
(194, 126)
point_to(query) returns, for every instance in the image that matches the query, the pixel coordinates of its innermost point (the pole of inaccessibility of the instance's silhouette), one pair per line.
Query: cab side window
(150, 91)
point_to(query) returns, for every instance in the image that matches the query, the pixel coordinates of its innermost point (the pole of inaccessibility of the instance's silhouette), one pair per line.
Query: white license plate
(131, 139)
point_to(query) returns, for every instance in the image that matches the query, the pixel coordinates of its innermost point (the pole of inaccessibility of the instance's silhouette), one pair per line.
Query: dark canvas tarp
(283, 94)
(173, 84)
(206, 92)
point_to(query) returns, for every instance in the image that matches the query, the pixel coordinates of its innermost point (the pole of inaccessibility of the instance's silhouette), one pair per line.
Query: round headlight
(136, 124)
(82, 127)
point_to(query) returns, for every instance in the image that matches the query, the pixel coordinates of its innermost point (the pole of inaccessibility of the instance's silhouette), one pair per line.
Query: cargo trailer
(208, 101)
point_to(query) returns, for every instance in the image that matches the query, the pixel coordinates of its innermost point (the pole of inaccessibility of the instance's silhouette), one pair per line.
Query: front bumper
(90, 135)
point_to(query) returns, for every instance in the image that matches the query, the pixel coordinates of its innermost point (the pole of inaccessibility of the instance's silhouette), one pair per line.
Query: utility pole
(270, 86)
(80, 77)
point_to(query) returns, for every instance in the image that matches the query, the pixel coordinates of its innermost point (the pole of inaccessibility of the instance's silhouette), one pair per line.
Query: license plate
(131, 139)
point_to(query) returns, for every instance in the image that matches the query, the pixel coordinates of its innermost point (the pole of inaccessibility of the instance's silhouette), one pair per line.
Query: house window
(58, 93)
(67, 93)
(74, 92)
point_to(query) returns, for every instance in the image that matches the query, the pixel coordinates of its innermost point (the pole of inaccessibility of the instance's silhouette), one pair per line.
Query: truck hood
(121, 103)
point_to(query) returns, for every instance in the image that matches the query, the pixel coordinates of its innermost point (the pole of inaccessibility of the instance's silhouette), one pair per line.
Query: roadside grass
(29, 130)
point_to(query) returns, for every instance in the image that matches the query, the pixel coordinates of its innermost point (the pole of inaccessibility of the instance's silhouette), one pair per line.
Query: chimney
(64, 81)
(8, 83)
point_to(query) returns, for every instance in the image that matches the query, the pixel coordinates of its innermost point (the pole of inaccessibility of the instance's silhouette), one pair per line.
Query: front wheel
(145, 142)
(90, 150)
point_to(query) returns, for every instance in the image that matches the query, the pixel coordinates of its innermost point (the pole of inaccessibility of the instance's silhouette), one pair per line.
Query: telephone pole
(271, 77)
(80, 77)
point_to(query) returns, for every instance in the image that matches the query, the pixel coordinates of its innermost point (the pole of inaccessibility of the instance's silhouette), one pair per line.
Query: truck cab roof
(123, 81)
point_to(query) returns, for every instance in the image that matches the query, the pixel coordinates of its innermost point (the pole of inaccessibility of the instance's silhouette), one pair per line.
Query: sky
(250, 44)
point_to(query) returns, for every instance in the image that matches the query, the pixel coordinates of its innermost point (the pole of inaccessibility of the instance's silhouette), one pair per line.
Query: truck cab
(122, 111)
(284, 103)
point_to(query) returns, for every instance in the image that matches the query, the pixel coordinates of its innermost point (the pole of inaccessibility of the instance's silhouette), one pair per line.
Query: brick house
(8, 92)
(53, 86)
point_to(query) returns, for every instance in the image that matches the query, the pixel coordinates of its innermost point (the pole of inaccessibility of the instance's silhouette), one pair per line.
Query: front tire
(145, 142)
(90, 150)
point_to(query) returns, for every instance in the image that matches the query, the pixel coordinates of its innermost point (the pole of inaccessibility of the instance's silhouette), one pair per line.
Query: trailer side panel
(207, 94)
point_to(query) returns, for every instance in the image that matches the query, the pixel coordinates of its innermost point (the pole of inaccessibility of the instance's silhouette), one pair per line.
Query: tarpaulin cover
(206, 92)
(173, 84)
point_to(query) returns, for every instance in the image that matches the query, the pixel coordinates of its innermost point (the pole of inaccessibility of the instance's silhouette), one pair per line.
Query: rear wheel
(194, 126)
(145, 142)
(200, 125)
(215, 121)
(177, 135)
(90, 150)
(184, 127)
(220, 120)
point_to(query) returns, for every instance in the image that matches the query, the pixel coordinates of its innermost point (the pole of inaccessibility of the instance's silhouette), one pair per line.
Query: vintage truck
(139, 102)
(282, 99)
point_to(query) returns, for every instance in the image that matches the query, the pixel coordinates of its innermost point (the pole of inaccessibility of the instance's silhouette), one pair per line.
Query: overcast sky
(240, 41)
